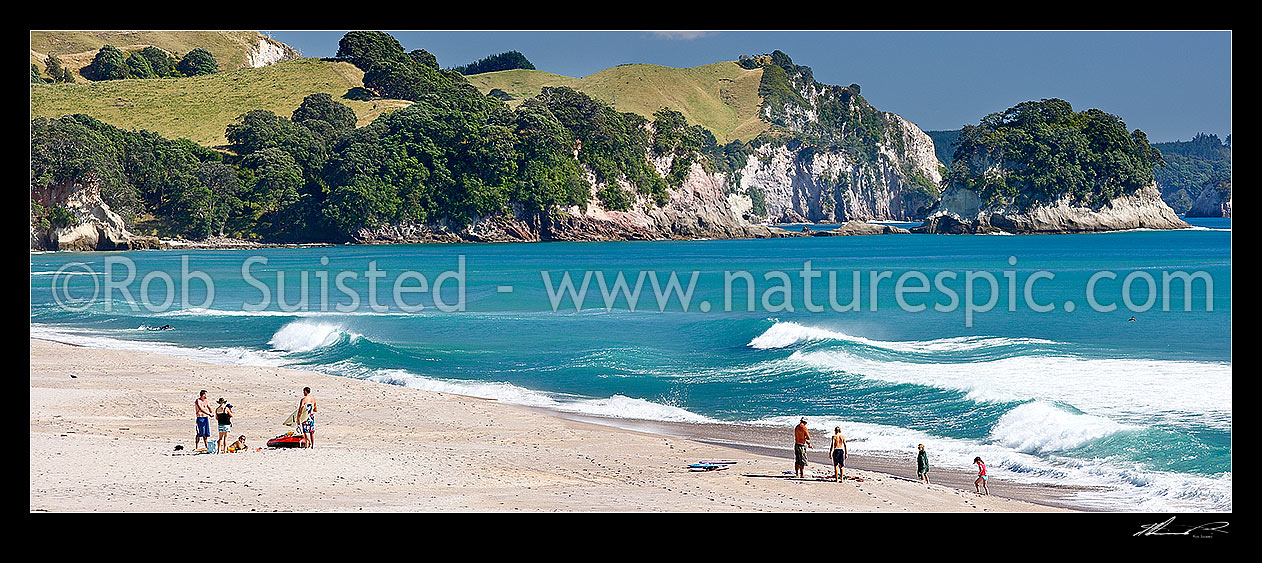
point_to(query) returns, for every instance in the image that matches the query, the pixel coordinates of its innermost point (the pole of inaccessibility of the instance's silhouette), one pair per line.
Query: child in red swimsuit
(981, 476)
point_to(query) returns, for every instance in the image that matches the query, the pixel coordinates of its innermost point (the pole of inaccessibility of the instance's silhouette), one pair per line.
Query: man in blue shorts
(201, 408)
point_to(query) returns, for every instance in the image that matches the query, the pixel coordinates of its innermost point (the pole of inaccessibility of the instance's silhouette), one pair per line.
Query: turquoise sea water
(1140, 408)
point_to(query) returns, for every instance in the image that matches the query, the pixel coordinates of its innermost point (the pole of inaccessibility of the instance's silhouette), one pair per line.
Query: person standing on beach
(201, 409)
(223, 416)
(801, 442)
(839, 455)
(981, 476)
(306, 416)
(922, 464)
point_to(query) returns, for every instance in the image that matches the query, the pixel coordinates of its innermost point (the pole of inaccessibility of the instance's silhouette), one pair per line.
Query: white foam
(784, 334)
(1039, 427)
(1138, 389)
(67, 272)
(305, 335)
(617, 406)
(222, 355)
(201, 312)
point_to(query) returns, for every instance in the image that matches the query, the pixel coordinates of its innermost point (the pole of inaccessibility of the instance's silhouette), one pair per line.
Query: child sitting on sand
(238, 446)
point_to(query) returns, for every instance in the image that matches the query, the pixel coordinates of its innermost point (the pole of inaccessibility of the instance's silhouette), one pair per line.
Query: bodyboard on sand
(287, 441)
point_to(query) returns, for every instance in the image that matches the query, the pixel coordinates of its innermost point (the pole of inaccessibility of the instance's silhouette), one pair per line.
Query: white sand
(104, 441)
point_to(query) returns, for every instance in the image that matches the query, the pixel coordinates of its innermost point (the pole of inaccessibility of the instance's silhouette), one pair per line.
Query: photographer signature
(1199, 531)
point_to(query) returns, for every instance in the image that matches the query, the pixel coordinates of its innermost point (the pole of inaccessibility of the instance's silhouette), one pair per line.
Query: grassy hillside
(200, 108)
(77, 48)
(722, 97)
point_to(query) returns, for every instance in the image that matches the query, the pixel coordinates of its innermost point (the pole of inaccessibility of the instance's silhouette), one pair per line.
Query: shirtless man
(801, 442)
(201, 409)
(838, 452)
(306, 416)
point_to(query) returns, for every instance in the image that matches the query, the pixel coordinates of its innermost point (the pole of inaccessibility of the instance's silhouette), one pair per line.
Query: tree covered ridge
(508, 60)
(451, 157)
(1204, 162)
(1043, 150)
(111, 63)
(821, 115)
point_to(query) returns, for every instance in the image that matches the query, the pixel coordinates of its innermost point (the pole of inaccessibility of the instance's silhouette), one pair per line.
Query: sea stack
(1040, 167)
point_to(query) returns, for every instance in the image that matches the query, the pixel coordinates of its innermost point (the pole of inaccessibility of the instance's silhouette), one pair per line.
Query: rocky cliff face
(700, 208)
(961, 211)
(841, 159)
(1212, 202)
(269, 51)
(92, 225)
(833, 186)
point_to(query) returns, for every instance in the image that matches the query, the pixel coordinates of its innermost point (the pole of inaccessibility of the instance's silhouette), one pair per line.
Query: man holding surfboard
(306, 416)
(801, 441)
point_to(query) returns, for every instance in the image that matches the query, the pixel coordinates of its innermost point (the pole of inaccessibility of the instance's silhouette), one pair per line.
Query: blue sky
(1172, 85)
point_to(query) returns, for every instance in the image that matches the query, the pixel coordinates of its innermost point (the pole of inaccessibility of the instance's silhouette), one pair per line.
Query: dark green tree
(203, 208)
(54, 66)
(260, 129)
(108, 64)
(548, 174)
(274, 183)
(366, 49)
(138, 67)
(502, 61)
(1043, 150)
(323, 107)
(198, 62)
(435, 159)
(162, 63)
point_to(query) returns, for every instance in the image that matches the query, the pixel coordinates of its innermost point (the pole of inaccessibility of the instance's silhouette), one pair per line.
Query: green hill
(722, 97)
(200, 108)
(1191, 166)
(76, 48)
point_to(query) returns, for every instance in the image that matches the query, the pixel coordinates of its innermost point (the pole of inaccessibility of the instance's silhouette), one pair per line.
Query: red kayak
(287, 441)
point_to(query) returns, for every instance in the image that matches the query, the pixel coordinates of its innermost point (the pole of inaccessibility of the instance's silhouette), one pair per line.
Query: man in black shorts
(839, 454)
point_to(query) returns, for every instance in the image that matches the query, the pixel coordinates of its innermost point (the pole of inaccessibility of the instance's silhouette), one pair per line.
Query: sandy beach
(105, 423)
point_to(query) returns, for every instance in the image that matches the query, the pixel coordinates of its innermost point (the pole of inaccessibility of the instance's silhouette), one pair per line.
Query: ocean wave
(1039, 427)
(616, 406)
(784, 334)
(66, 273)
(1141, 389)
(201, 312)
(305, 335)
(214, 355)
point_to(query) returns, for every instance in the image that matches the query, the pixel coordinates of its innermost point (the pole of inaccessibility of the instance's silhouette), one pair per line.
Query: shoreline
(242, 244)
(386, 447)
(756, 440)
